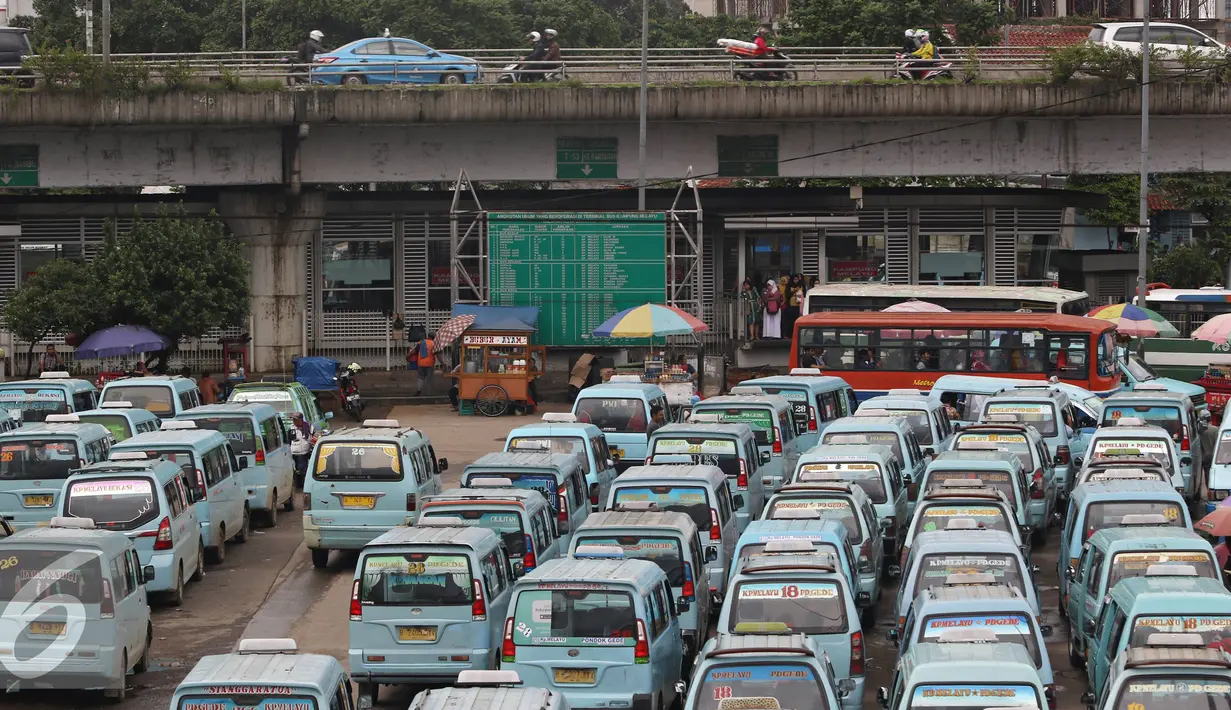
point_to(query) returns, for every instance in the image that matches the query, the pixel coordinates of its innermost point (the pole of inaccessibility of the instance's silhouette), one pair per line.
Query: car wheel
(218, 555)
(452, 78)
(271, 515)
(320, 559)
(245, 527)
(370, 691)
(143, 663)
(177, 594)
(118, 695)
(199, 573)
(1077, 660)
(354, 80)
(289, 505)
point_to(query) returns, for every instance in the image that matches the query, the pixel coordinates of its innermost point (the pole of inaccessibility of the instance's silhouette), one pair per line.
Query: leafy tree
(1188, 266)
(1123, 198)
(178, 275)
(60, 297)
(446, 24)
(880, 23)
(583, 23)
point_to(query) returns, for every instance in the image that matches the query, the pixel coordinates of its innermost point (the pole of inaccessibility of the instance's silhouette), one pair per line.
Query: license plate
(617, 452)
(358, 501)
(575, 675)
(416, 633)
(46, 628)
(40, 501)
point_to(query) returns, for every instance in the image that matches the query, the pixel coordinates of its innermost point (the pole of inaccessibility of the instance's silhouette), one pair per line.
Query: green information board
(748, 156)
(586, 158)
(18, 165)
(579, 268)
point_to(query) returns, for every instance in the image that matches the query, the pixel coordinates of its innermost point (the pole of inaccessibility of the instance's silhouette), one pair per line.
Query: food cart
(680, 387)
(1217, 384)
(498, 362)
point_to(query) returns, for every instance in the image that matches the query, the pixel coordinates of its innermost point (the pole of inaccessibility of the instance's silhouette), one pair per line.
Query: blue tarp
(316, 373)
(500, 317)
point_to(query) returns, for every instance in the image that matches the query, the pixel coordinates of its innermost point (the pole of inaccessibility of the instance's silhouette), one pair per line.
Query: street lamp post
(1143, 208)
(645, 60)
(243, 25)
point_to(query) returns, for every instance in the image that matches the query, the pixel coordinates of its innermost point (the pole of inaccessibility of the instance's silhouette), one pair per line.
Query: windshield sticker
(261, 396)
(862, 438)
(716, 447)
(755, 417)
(973, 512)
(111, 488)
(1199, 686)
(1139, 447)
(992, 438)
(973, 695)
(839, 467)
(1184, 624)
(788, 591)
(399, 565)
(1000, 624)
(1141, 560)
(997, 408)
(691, 496)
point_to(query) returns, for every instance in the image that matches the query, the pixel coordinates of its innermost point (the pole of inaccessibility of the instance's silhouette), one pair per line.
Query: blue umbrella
(121, 340)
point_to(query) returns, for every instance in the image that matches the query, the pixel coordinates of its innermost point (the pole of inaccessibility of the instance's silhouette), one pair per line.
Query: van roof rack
(905, 392)
(807, 476)
(671, 459)
(963, 524)
(797, 514)
(1000, 419)
(749, 390)
(977, 446)
(969, 579)
(178, 425)
(557, 418)
(55, 375)
(482, 679)
(381, 424)
(872, 412)
(705, 417)
(68, 523)
(440, 521)
(779, 547)
(806, 371)
(62, 419)
(967, 636)
(495, 482)
(598, 552)
(1171, 571)
(1143, 520)
(1130, 421)
(121, 404)
(626, 379)
(129, 456)
(267, 646)
(636, 506)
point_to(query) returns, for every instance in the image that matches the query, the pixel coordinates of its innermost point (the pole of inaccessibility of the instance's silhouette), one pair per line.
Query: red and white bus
(876, 352)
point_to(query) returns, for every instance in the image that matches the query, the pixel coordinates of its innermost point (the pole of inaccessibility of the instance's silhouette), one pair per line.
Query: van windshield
(999, 480)
(1157, 449)
(180, 457)
(357, 461)
(693, 502)
(972, 695)
(1169, 418)
(416, 579)
(76, 574)
(1108, 515)
(1016, 444)
(919, 422)
(828, 507)
(936, 516)
(866, 438)
(935, 568)
(1040, 415)
(38, 460)
(158, 399)
(621, 415)
(34, 403)
(282, 401)
(238, 430)
(574, 445)
(117, 424)
(265, 700)
(113, 503)
(969, 405)
(1008, 627)
(761, 419)
(1215, 629)
(866, 475)
(723, 453)
(506, 524)
(568, 614)
(804, 607)
(767, 686)
(662, 551)
(798, 397)
(1135, 564)
(1175, 692)
(543, 483)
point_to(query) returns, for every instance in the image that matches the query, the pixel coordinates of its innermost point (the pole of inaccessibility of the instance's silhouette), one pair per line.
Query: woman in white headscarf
(772, 327)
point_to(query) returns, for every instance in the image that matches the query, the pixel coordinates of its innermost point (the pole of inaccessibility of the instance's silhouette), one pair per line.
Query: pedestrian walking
(773, 311)
(424, 362)
(301, 446)
(750, 297)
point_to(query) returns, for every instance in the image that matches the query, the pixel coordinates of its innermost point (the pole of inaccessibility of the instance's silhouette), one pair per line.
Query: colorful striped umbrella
(1216, 330)
(1135, 321)
(648, 321)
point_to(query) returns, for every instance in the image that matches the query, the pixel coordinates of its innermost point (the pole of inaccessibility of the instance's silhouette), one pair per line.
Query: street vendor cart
(498, 362)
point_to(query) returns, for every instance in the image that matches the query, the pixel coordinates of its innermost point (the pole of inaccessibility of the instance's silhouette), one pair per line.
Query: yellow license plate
(40, 501)
(575, 675)
(617, 452)
(416, 633)
(358, 501)
(46, 628)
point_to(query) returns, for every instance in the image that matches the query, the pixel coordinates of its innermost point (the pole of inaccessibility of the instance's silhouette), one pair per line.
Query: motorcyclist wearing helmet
(926, 54)
(762, 42)
(910, 43)
(531, 70)
(311, 47)
(553, 48)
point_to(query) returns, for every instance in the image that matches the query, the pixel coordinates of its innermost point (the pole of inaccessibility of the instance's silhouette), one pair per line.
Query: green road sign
(579, 268)
(748, 156)
(586, 158)
(18, 166)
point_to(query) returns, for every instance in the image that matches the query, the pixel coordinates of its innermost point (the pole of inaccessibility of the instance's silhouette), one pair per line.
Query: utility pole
(106, 33)
(1143, 209)
(645, 60)
(89, 27)
(243, 25)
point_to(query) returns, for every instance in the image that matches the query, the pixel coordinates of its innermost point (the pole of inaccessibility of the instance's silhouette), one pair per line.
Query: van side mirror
(519, 568)
(1078, 461)
(1088, 698)
(711, 554)
(882, 696)
(682, 605)
(681, 687)
(1045, 630)
(1186, 461)
(147, 574)
(846, 686)
(243, 461)
(738, 501)
(766, 457)
(1088, 627)
(329, 415)
(443, 464)
(929, 452)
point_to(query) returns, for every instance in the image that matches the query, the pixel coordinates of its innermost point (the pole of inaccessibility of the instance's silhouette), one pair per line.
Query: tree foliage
(60, 297)
(1123, 198)
(880, 23)
(1188, 266)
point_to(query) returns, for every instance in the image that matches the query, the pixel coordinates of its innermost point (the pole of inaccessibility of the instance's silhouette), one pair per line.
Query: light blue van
(255, 431)
(988, 466)
(1133, 437)
(207, 458)
(956, 500)
(1171, 411)
(786, 594)
(1141, 607)
(364, 481)
(523, 519)
(816, 400)
(100, 572)
(51, 393)
(968, 394)
(874, 469)
(561, 433)
(1095, 506)
(560, 478)
(153, 503)
(621, 410)
(1050, 412)
(966, 668)
(484, 690)
(1219, 486)
(427, 603)
(264, 674)
(1135, 372)
(792, 671)
(1168, 671)
(730, 447)
(969, 601)
(1115, 554)
(892, 432)
(287, 398)
(670, 541)
(36, 459)
(925, 416)
(122, 419)
(1024, 442)
(164, 395)
(772, 422)
(604, 632)
(804, 533)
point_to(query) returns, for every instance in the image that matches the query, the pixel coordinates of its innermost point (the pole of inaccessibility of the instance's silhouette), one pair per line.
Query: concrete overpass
(514, 133)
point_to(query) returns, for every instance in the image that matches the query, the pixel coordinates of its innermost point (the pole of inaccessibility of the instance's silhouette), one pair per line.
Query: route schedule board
(579, 268)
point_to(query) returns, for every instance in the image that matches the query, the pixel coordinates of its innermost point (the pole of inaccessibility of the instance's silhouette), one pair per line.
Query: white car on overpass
(1167, 36)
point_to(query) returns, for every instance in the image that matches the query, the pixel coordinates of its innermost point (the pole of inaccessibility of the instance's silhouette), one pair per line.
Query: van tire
(371, 690)
(271, 515)
(320, 559)
(199, 573)
(245, 527)
(218, 555)
(176, 595)
(118, 695)
(289, 505)
(143, 663)
(1076, 659)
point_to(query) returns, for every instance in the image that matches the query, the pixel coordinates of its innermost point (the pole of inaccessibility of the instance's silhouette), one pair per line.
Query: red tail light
(412, 501)
(562, 516)
(1184, 443)
(1062, 456)
(594, 495)
(163, 542)
(508, 651)
(356, 609)
(857, 653)
(201, 484)
(107, 607)
(690, 590)
(528, 560)
(811, 418)
(478, 609)
(260, 455)
(325, 60)
(741, 481)
(715, 531)
(777, 441)
(1036, 484)
(641, 652)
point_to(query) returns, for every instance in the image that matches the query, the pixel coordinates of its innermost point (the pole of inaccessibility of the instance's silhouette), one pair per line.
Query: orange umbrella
(1217, 523)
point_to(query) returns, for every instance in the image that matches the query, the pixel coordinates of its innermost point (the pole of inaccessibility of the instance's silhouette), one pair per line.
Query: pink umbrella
(914, 305)
(1216, 330)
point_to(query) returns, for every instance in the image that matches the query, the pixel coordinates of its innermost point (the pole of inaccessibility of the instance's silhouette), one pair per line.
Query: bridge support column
(276, 228)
